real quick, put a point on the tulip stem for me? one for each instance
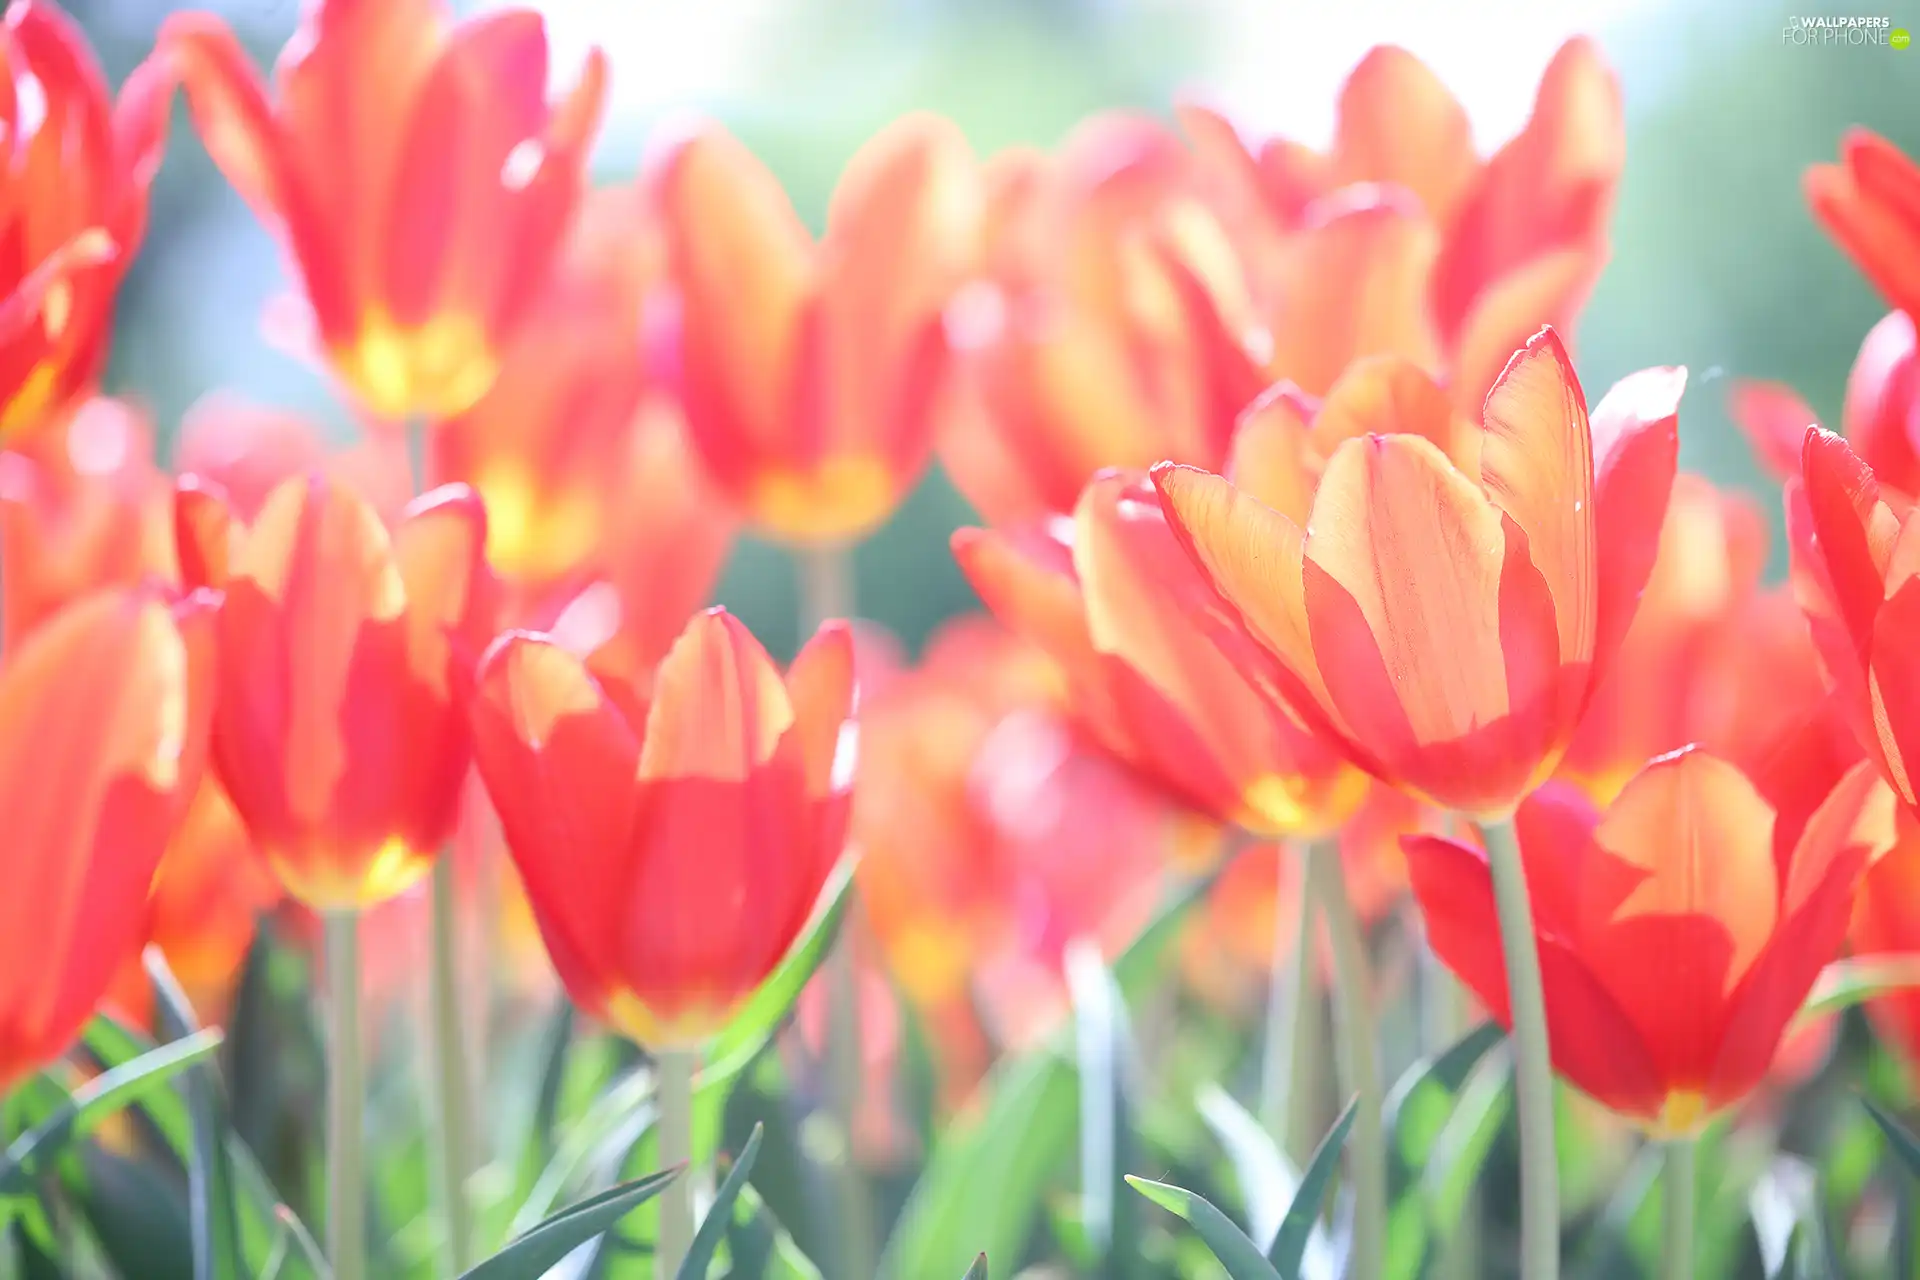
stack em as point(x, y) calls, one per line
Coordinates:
point(1289, 987)
point(674, 1068)
point(1681, 1181)
point(1354, 1020)
point(827, 592)
point(452, 1101)
point(346, 1190)
point(1533, 1065)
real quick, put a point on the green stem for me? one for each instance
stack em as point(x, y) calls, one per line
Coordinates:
point(675, 1076)
point(346, 1087)
point(1289, 987)
point(453, 1112)
point(1532, 1063)
point(1448, 1015)
point(1681, 1180)
point(827, 592)
point(1355, 1024)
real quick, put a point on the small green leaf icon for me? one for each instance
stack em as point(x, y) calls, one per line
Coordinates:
point(1899, 38)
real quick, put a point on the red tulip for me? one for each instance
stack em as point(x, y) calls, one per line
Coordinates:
point(810, 371)
point(1880, 416)
point(103, 731)
point(1886, 922)
point(674, 855)
point(1445, 630)
point(77, 169)
point(1677, 939)
point(416, 173)
point(346, 657)
point(1870, 204)
point(1857, 575)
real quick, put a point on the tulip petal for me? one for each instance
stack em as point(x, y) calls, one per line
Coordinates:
point(1271, 459)
point(1254, 557)
point(229, 105)
point(1546, 291)
point(821, 686)
point(1894, 682)
point(1028, 584)
point(1881, 412)
point(559, 763)
point(1673, 949)
point(1398, 123)
point(440, 547)
point(1636, 449)
point(1536, 462)
point(716, 663)
point(1870, 204)
point(203, 532)
point(1387, 395)
point(1355, 285)
point(1775, 420)
point(1854, 529)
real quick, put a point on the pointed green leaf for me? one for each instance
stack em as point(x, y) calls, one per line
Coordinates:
point(216, 1227)
point(1102, 1042)
point(1904, 1144)
point(720, 1215)
point(97, 1099)
point(531, 1255)
point(978, 1271)
point(1856, 980)
point(1290, 1244)
point(1461, 1150)
point(1228, 1243)
point(1267, 1179)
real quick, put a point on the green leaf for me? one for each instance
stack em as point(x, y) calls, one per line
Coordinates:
point(1290, 1244)
point(760, 1247)
point(978, 1271)
point(1102, 1042)
point(1229, 1244)
point(216, 1227)
point(1267, 1179)
point(984, 1182)
point(97, 1099)
point(1856, 980)
point(134, 1212)
point(532, 1255)
point(720, 1215)
point(750, 1029)
point(537, 1151)
point(111, 1043)
point(1461, 1150)
point(1422, 1099)
point(1904, 1144)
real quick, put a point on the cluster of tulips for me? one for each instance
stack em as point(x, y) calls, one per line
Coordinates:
point(1316, 580)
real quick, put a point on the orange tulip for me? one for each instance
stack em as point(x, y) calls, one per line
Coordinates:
point(414, 170)
point(1446, 630)
point(1886, 922)
point(672, 858)
point(810, 372)
point(1870, 204)
point(1677, 939)
point(103, 731)
point(1857, 575)
point(1403, 240)
point(77, 172)
point(1164, 677)
point(82, 506)
point(1110, 327)
point(548, 448)
point(346, 657)
point(1880, 416)
point(1705, 637)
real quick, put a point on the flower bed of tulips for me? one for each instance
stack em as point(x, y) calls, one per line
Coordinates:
point(1381, 825)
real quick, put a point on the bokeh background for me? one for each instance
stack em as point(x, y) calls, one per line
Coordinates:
point(1717, 264)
